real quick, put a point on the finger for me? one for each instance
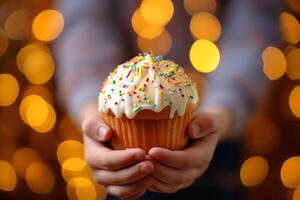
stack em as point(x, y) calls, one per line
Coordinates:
point(167, 175)
point(162, 187)
point(97, 129)
point(101, 157)
point(175, 159)
point(200, 126)
point(199, 153)
point(137, 195)
point(124, 176)
point(125, 191)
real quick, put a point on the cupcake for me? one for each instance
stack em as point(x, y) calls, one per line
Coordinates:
point(148, 102)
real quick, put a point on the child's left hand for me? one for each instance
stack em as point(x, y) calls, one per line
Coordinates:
point(175, 170)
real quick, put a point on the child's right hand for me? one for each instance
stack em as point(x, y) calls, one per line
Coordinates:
point(125, 173)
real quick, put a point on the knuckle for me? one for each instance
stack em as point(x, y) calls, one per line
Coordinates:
point(85, 125)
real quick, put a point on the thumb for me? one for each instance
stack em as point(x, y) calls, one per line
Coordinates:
point(97, 129)
point(200, 126)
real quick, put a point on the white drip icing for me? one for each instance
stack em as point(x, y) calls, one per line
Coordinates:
point(156, 91)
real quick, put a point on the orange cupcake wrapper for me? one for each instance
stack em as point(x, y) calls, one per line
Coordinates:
point(131, 133)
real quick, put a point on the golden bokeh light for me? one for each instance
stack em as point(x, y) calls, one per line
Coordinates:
point(23, 158)
point(142, 28)
point(82, 189)
point(69, 149)
point(9, 88)
point(25, 104)
point(39, 90)
point(40, 178)
point(48, 25)
point(157, 12)
point(294, 5)
point(289, 27)
point(204, 56)
point(160, 45)
point(195, 6)
point(294, 101)
point(27, 50)
point(3, 42)
point(254, 171)
point(8, 178)
point(274, 63)
point(38, 67)
point(49, 123)
point(290, 173)
point(37, 112)
point(17, 25)
point(204, 25)
point(68, 130)
point(75, 167)
point(293, 60)
point(296, 195)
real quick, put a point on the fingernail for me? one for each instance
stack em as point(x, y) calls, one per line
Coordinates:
point(146, 168)
point(101, 132)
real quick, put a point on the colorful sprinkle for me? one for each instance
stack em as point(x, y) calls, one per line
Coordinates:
point(137, 109)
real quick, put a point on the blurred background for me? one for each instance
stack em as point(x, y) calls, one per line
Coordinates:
point(41, 150)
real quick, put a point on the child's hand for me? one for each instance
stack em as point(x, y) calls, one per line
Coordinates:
point(175, 170)
point(125, 173)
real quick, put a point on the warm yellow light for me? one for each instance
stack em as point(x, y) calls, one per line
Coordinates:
point(40, 178)
point(23, 158)
point(17, 25)
point(27, 50)
point(68, 130)
point(293, 60)
point(81, 189)
point(157, 12)
point(48, 25)
point(295, 5)
point(195, 6)
point(290, 173)
point(274, 63)
point(49, 123)
point(69, 149)
point(204, 56)
point(205, 26)
point(253, 171)
point(289, 27)
point(3, 42)
point(9, 88)
point(294, 101)
point(160, 45)
point(296, 195)
point(37, 112)
point(38, 67)
point(24, 106)
point(8, 178)
point(75, 167)
point(39, 90)
point(142, 28)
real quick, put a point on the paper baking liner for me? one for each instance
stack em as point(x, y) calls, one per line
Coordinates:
point(166, 133)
